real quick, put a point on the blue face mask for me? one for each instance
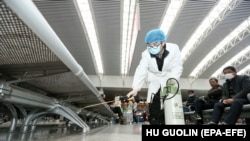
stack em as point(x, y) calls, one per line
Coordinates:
point(154, 50)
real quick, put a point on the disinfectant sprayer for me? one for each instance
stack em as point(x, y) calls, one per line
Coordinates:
point(172, 103)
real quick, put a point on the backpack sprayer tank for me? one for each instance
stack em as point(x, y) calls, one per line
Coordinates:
point(172, 102)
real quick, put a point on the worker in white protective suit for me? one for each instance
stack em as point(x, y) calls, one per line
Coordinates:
point(159, 62)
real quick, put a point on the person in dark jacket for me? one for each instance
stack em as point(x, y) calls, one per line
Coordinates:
point(207, 102)
point(235, 91)
point(189, 103)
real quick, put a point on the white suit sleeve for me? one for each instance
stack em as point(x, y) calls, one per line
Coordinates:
point(177, 65)
point(140, 74)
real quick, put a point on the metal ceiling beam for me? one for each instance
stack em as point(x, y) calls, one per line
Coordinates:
point(228, 46)
point(212, 26)
point(237, 63)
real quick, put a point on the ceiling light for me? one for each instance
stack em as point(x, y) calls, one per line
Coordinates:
point(89, 27)
point(171, 12)
point(130, 27)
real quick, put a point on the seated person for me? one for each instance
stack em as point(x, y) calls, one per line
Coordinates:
point(207, 102)
point(235, 91)
point(189, 104)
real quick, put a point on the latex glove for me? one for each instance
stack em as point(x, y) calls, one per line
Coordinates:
point(132, 93)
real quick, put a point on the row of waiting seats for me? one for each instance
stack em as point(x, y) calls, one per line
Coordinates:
point(207, 113)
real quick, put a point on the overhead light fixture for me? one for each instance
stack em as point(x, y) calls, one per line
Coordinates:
point(238, 34)
point(171, 12)
point(88, 23)
point(210, 21)
point(130, 27)
point(238, 59)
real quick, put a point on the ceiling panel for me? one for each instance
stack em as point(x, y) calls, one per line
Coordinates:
point(63, 18)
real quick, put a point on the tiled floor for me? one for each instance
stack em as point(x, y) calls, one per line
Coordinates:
point(112, 132)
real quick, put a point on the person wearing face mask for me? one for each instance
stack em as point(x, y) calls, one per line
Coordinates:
point(234, 95)
point(159, 62)
point(188, 105)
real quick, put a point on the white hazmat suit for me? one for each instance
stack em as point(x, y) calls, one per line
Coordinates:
point(147, 70)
